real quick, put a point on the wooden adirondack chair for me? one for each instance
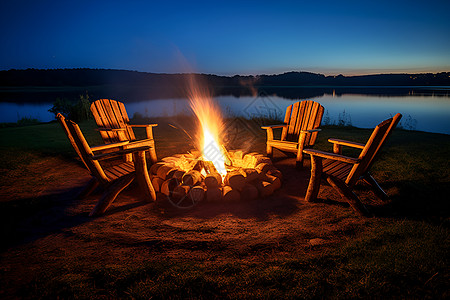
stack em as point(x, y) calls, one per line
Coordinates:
point(114, 178)
point(343, 172)
point(114, 125)
point(302, 121)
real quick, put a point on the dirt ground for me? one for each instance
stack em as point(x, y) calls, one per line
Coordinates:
point(133, 231)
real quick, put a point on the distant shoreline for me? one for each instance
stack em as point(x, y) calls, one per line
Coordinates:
point(34, 85)
point(135, 93)
point(94, 77)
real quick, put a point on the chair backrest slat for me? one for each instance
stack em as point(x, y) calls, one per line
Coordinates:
point(62, 121)
point(112, 114)
point(372, 147)
point(292, 121)
point(126, 121)
point(287, 118)
point(102, 120)
point(303, 115)
point(82, 148)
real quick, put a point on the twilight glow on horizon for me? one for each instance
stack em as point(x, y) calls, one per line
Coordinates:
point(228, 37)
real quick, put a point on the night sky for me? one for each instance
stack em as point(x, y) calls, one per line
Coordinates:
point(228, 37)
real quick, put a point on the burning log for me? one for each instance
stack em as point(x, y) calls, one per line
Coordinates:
point(209, 167)
point(249, 161)
point(165, 172)
point(199, 165)
point(180, 192)
point(168, 186)
point(225, 152)
point(214, 194)
point(197, 194)
point(188, 179)
point(275, 181)
point(235, 179)
point(213, 180)
point(262, 159)
point(154, 168)
point(251, 174)
point(263, 167)
point(179, 175)
point(170, 159)
point(157, 183)
point(191, 177)
point(238, 155)
point(230, 194)
point(276, 173)
point(264, 188)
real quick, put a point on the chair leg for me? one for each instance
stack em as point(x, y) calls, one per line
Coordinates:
point(153, 157)
point(299, 159)
point(375, 187)
point(301, 143)
point(110, 194)
point(348, 195)
point(142, 176)
point(89, 188)
point(269, 150)
point(314, 181)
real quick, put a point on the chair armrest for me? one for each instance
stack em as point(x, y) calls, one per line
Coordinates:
point(148, 129)
point(110, 129)
point(118, 153)
point(310, 130)
point(274, 126)
point(136, 143)
point(144, 125)
point(347, 143)
point(109, 146)
point(333, 156)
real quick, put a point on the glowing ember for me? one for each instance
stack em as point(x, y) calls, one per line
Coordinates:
point(210, 117)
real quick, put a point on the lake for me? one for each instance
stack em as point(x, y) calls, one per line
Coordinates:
point(425, 112)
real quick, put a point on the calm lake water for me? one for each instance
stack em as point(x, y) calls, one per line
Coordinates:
point(425, 113)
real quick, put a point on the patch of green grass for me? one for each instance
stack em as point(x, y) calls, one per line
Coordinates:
point(46, 139)
point(395, 259)
point(400, 259)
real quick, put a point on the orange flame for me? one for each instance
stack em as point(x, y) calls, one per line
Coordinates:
point(210, 118)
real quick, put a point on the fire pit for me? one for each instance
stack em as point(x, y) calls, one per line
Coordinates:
point(187, 179)
point(213, 173)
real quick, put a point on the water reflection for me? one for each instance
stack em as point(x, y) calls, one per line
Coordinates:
point(431, 113)
point(11, 112)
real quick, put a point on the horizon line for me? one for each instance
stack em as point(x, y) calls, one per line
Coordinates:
point(347, 73)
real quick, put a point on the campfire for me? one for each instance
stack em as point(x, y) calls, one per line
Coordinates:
point(213, 173)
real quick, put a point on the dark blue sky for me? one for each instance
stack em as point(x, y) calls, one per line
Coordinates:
point(228, 37)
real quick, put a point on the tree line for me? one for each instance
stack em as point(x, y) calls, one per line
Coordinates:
point(98, 77)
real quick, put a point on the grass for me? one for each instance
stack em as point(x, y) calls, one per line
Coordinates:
point(399, 260)
point(403, 253)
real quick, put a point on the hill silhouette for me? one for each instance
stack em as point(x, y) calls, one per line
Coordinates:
point(92, 77)
point(134, 85)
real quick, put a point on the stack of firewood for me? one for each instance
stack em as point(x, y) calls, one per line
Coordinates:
point(187, 179)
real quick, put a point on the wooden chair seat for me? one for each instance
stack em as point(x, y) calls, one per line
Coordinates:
point(299, 131)
point(114, 178)
point(337, 168)
point(123, 169)
point(114, 126)
point(343, 172)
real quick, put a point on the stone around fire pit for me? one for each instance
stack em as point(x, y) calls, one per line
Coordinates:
point(186, 180)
